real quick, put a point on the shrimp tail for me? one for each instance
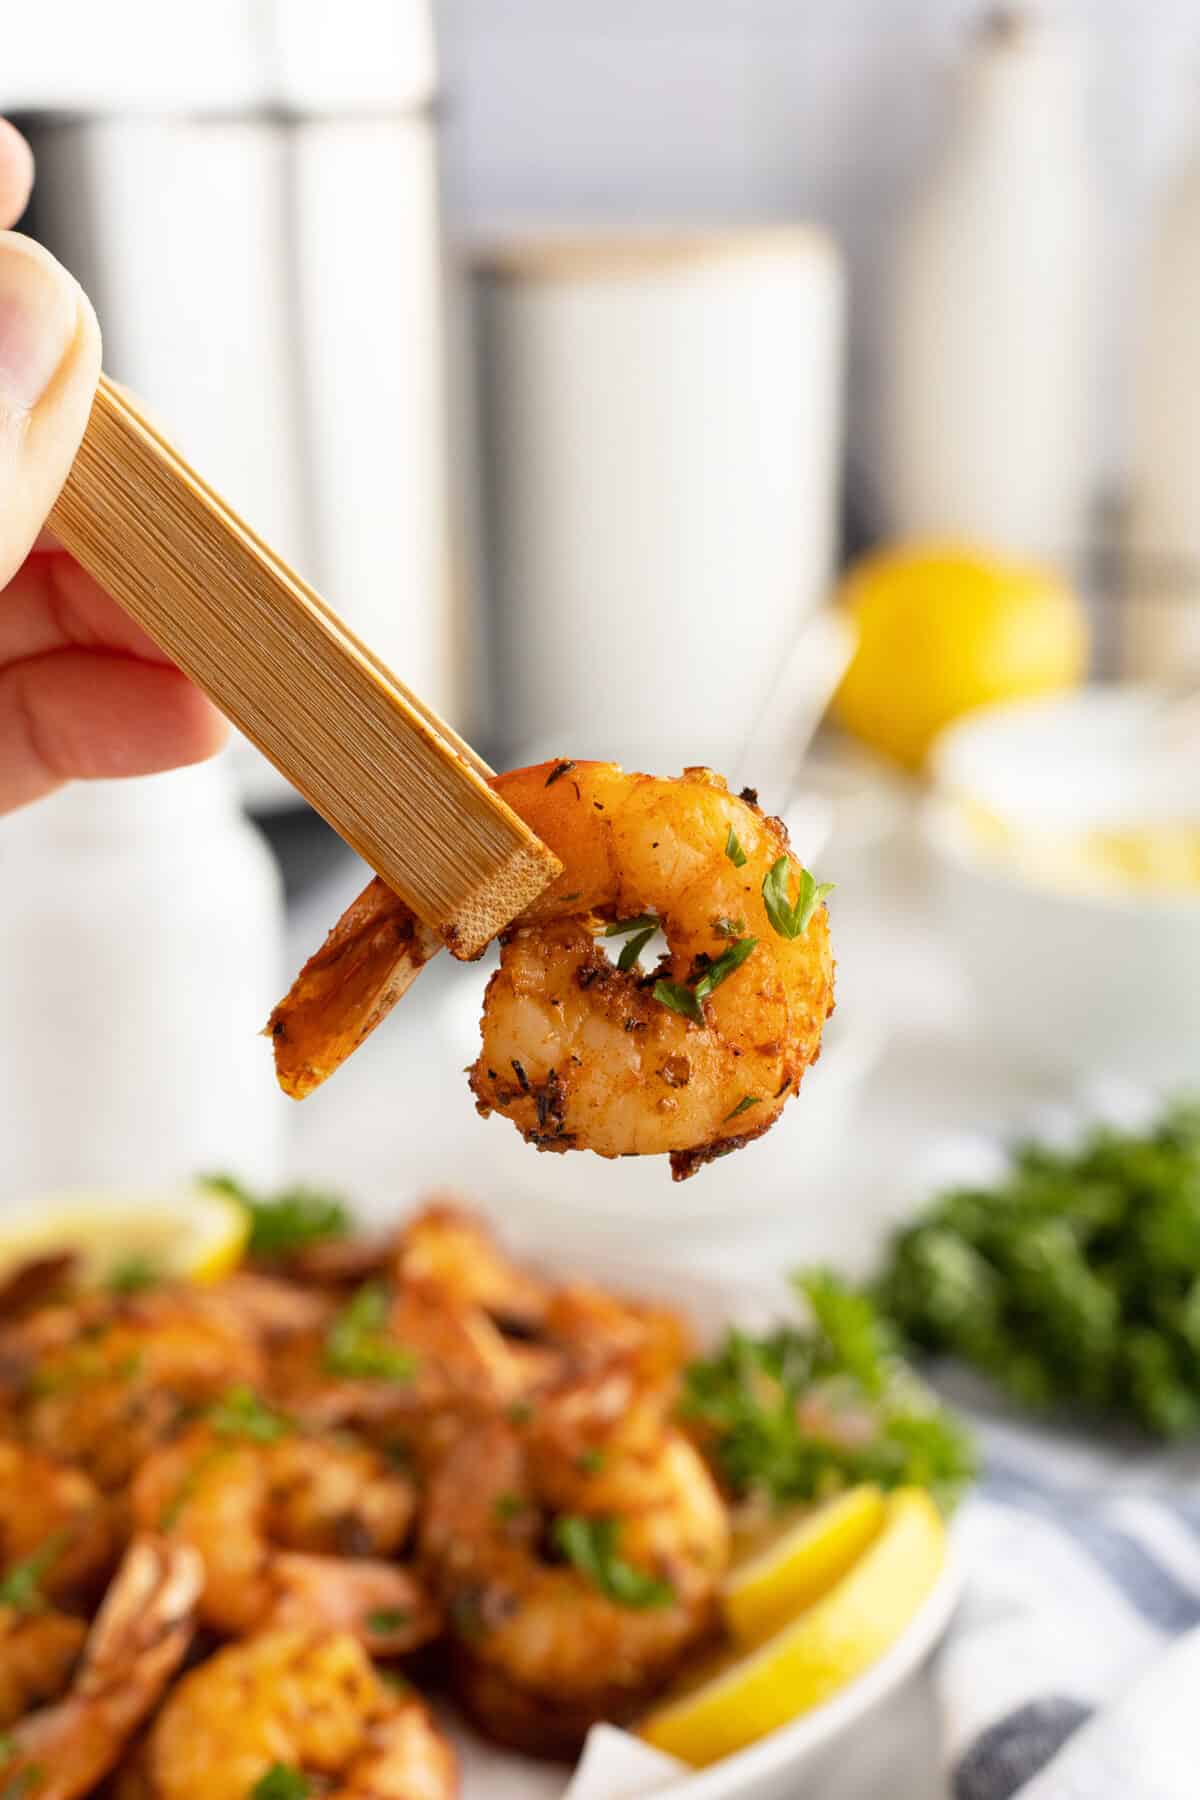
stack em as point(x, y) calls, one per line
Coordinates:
point(369, 960)
point(140, 1637)
point(143, 1629)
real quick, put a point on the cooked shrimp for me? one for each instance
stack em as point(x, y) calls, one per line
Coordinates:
point(594, 1325)
point(54, 1517)
point(448, 1248)
point(38, 1654)
point(104, 1394)
point(58, 1543)
point(371, 957)
point(693, 1059)
point(137, 1642)
point(290, 1528)
point(307, 1702)
point(577, 1557)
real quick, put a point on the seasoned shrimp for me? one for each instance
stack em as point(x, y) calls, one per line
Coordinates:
point(446, 1247)
point(104, 1394)
point(58, 1543)
point(137, 1642)
point(290, 1528)
point(53, 1518)
point(306, 1702)
point(578, 1557)
point(692, 1059)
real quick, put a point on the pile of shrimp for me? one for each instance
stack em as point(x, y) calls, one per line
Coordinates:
point(692, 1058)
point(239, 1521)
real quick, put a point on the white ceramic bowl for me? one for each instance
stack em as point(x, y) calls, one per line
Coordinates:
point(771, 1769)
point(1066, 980)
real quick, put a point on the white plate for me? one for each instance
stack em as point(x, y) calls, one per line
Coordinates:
point(770, 1769)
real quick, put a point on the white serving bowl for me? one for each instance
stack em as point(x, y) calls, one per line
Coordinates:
point(1069, 980)
point(775, 1767)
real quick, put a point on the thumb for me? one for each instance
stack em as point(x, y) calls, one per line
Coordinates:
point(49, 365)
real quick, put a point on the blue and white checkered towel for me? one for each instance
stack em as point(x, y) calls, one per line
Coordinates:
point(1072, 1668)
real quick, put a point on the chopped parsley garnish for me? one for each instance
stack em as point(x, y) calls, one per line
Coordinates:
point(734, 851)
point(686, 1000)
point(25, 1782)
point(357, 1345)
point(743, 1105)
point(729, 928)
point(591, 1546)
point(724, 966)
point(622, 927)
point(680, 998)
point(133, 1275)
point(190, 1486)
point(805, 1411)
point(241, 1414)
point(788, 920)
point(21, 1586)
point(291, 1220)
point(631, 951)
point(387, 1620)
point(508, 1506)
point(281, 1783)
point(591, 1461)
point(520, 1412)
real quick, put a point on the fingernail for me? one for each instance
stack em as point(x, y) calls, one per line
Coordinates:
point(39, 312)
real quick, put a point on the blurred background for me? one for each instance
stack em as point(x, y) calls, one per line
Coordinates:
point(814, 391)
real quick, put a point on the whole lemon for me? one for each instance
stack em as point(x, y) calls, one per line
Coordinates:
point(944, 628)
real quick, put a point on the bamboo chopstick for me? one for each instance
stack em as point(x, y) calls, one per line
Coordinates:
point(398, 784)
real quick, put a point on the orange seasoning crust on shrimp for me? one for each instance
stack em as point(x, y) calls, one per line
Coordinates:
point(692, 1058)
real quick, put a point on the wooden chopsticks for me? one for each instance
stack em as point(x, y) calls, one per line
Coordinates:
point(398, 784)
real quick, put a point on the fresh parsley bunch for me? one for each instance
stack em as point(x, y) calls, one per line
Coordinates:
point(1076, 1281)
point(805, 1411)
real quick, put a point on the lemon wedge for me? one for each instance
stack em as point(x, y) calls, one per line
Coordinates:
point(744, 1694)
point(129, 1238)
point(798, 1562)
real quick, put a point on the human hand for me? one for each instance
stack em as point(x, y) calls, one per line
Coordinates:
point(83, 692)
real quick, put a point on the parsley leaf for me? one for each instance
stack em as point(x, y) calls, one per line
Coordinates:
point(21, 1587)
point(807, 1410)
point(591, 1546)
point(241, 1414)
point(357, 1345)
point(686, 1000)
point(743, 1105)
point(723, 967)
point(622, 927)
point(729, 928)
point(281, 1783)
point(734, 851)
point(133, 1275)
point(631, 951)
point(788, 920)
point(680, 998)
point(290, 1220)
point(26, 1781)
point(387, 1620)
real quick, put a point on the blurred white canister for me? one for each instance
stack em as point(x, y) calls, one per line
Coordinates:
point(141, 929)
point(662, 428)
point(1161, 639)
point(987, 431)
